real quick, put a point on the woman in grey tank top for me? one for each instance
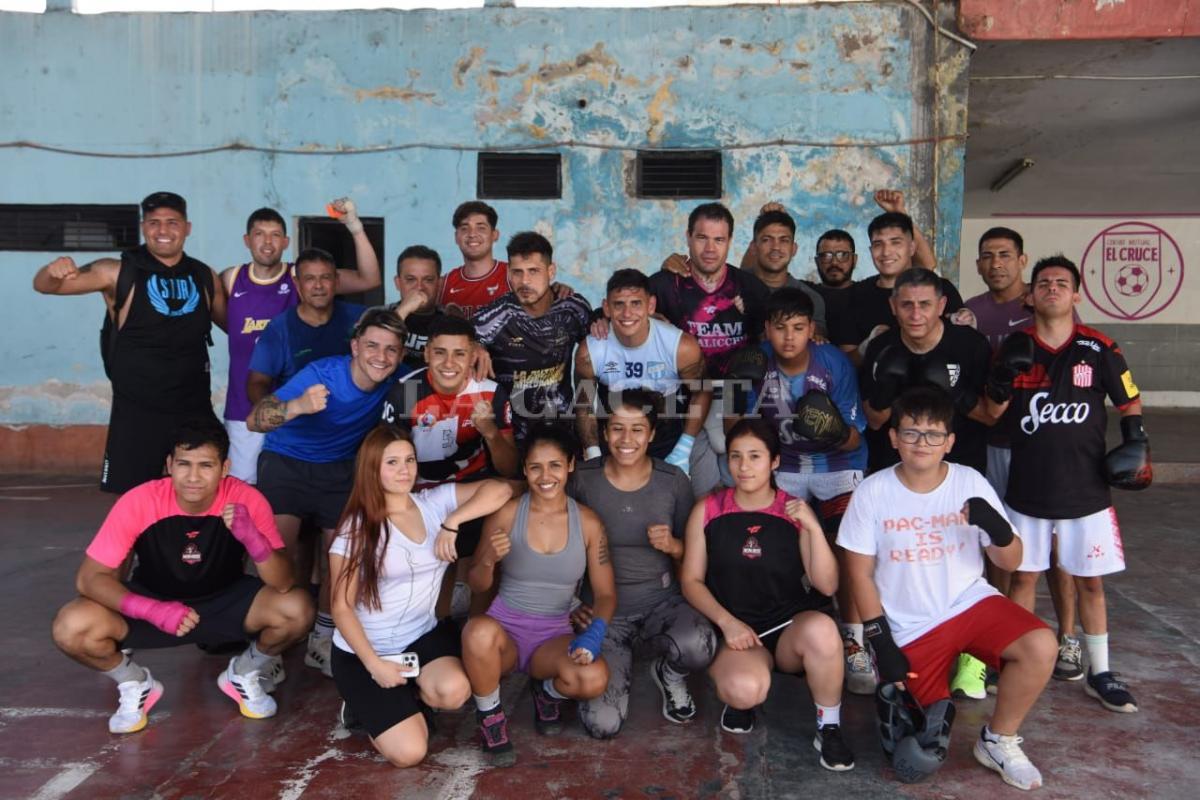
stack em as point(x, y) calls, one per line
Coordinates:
point(546, 541)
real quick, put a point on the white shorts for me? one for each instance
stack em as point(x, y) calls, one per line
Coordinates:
point(819, 485)
point(244, 447)
point(998, 459)
point(1087, 546)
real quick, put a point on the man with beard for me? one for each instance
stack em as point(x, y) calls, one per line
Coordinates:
point(531, 336)
point(261, 290)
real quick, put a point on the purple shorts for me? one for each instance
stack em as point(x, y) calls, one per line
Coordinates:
point(528, 631)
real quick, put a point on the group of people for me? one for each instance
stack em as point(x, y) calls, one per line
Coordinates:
point(678, 471)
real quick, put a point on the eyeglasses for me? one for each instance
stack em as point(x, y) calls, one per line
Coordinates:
point(836, 255)
point(932, 438)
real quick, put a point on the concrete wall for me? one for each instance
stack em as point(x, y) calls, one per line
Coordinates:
point(390, 107)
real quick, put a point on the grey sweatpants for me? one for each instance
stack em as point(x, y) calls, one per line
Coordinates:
point(672, 629)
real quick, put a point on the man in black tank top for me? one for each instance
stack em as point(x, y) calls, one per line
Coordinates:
point(158, 359)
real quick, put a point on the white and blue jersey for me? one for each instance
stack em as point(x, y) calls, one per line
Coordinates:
point(651, 365)
point(829, 371)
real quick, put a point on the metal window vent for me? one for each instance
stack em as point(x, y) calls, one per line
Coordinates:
point(519, 176)
point(101, 228)
point(677, 174)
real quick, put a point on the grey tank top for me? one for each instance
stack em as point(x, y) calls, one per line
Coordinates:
point(543, 583)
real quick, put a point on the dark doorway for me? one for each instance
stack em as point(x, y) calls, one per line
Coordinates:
point(331, 235)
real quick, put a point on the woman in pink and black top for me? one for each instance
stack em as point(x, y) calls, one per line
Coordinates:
point(747, 554)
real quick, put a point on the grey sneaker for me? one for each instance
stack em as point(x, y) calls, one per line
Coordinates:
point(1069, 666)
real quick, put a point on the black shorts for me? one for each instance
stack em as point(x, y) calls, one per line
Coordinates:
point(222, 618)
point(379, 709)
point(305, 488)
point(139, 441)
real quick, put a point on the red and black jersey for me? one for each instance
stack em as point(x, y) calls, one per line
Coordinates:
point(180, 556)
point(449, 446)
point(465, 296)
point(1057, 422)
point(754, 565)
point(713, 317)
point(532, 356)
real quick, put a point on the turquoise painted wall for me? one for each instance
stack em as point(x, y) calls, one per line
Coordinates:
point(409, 97)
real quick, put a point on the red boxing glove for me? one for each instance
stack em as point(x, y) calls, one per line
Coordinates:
point(244, 530)
point(166, 615)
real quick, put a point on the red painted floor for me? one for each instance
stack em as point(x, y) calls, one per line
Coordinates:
point(54, 741)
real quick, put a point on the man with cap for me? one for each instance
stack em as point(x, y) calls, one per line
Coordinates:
point(161, 304)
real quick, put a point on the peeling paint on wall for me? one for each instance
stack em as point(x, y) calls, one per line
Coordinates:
point(435, 85)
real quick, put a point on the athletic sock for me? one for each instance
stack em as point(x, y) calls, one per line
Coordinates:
point(1097, 651)
point(126, 671)
point(829, 715)
point(852, 630)
point(488, 702)
point(251, 659)
point(324, 625)
point(548, 688)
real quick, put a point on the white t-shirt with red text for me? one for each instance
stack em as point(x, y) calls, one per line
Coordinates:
point(928, 560)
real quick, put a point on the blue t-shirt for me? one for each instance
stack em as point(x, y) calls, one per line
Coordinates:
point(828, 371)
point(288, 343)
point(335, 433)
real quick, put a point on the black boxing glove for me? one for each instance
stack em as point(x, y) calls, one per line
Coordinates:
point(889, 658)
point(1015, 357)
point(890, 376)
point(934, 371)
point(981, 514)
point(1127, 466)
point(745, 371)
point(818, 420)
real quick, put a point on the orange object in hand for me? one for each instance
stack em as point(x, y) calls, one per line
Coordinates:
point(333, 212)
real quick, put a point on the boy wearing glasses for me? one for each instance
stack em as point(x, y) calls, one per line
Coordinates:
point(915, 537)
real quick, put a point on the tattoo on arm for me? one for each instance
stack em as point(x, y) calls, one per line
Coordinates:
point(602, 549)
point(88, 266)
point(269, 414)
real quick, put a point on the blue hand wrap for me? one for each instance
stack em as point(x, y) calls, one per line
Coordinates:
point(591, 638)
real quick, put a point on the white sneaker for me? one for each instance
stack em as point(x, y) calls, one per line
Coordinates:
point(1004, 755)
point(137, 698)
point(246, 690)
point(272, 675)
point(320, 653)
point(860, 675)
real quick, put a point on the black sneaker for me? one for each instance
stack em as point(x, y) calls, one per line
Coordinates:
point(1112, 693)
point(546, 713)
point(735, 720)
point(348, 720)
point(677, 704)
point(992, 682)
point(835, 754)
point(493, 737)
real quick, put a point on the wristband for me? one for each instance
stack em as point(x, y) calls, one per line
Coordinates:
point(981, 514)
point(446, 527)
point(591, 452)
point(889, 658)
point(681, 454)
point(591, 639)
point(166, 615)
point(245, 531)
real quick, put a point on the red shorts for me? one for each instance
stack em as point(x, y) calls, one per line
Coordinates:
point(984, 630)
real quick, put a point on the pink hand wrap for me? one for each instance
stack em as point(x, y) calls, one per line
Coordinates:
point(162, 614)
point(244, 530)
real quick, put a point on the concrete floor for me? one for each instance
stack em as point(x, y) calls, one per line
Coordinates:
point(54, 742)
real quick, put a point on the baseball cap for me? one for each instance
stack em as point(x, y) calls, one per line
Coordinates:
point(164, 200)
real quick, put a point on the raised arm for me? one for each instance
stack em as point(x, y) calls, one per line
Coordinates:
point(63, 277)
point(494, 544)
point(271, 412)
point(367, 275)
point(819, 562)
point(690, 362)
